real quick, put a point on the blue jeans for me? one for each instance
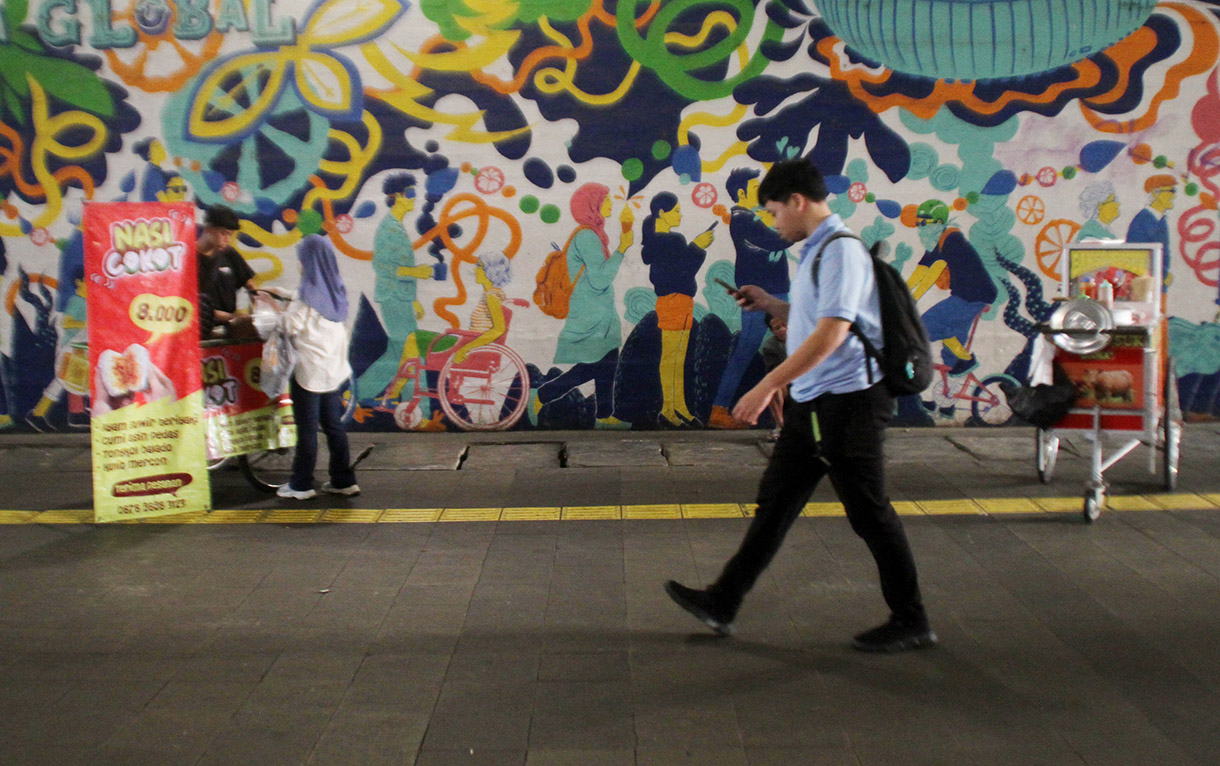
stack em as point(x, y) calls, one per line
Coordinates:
point(310, 410)
point(753, 330)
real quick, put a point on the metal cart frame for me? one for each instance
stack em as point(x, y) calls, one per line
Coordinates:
point(1157, 422)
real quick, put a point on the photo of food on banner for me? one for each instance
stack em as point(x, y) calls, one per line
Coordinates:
point(128, 377)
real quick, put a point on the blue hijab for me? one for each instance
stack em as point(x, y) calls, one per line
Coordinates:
point(322, 288)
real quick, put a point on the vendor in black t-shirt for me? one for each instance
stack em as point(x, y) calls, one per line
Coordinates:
point(222, 272)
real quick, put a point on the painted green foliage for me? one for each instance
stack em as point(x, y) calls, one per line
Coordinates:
point(448, 15)
point(24, 58)
point(675, 67)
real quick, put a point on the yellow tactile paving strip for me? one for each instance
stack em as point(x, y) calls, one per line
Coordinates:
point(995, 506)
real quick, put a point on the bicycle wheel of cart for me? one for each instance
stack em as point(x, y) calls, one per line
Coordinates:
point(990, 405)
point(487, 391)
point(1171, 427)
point(269, 469)
point(1048, 452)
point(349, 396)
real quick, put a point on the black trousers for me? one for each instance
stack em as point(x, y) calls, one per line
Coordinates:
point(852, 430)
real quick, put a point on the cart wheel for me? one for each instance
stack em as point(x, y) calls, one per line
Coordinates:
point(1048, 452)
point(1092, 505)
point(1171, 427)
point(1173, 438)
point(269, 469)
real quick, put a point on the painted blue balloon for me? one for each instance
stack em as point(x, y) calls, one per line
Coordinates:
point(566, 173)
point(214, 180)
point(686, 161)
point(1096, 155)
point(538, 173)
point(365, 209)
point(441, 181)
point(1001, 184)
point(267, 206)
point(980, 39)
point(128, 183)
point(837, 184)
point(26, 226)
point(889, 208)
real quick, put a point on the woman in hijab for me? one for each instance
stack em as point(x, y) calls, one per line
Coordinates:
point(591, 334)
point(315, 324)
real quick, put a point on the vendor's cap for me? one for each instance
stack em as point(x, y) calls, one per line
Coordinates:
point(932, 211)
point(221, 217)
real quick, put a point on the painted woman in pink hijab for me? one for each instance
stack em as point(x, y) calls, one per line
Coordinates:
point(592, 334)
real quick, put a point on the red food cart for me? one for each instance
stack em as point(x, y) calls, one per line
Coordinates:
point(1111, 340)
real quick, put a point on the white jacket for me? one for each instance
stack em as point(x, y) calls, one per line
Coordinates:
point(321, 347)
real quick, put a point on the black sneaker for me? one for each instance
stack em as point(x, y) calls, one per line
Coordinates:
point(701, 604)
point(895, 637)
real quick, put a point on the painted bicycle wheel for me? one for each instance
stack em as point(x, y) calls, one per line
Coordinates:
point(990, 406)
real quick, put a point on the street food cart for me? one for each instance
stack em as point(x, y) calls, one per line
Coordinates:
point(1110, 339)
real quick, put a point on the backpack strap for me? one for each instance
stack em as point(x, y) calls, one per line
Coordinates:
point(870, 350)
point(568, 244)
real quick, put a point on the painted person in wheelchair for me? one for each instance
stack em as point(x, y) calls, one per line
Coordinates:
point(492, 272)
point(951, 263)
point(315, 324)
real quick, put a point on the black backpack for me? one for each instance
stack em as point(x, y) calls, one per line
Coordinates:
point(906, 364)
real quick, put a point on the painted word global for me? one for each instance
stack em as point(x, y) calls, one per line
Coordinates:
point(59, 22)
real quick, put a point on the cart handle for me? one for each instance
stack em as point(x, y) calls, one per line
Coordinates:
point(1046, 329)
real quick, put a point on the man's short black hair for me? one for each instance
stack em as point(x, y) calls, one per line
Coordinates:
point(221, 217)
point(739, 179)
point(789, 177)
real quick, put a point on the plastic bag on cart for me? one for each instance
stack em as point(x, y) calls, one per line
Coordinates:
point(1041, 361)
point(1045, 404)
point(279, 358)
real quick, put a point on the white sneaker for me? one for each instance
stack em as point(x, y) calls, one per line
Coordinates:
point(349, 491)
point(295, 494)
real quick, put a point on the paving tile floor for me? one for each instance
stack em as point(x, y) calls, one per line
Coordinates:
point(549, 643)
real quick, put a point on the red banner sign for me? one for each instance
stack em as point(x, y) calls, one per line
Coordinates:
point(144, 369)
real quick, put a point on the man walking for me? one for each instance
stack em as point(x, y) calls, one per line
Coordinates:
point(836, 424)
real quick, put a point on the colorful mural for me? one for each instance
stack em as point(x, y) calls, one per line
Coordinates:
point(455, 147)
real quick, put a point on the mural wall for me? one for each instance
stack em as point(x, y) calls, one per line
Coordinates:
point(468, 158)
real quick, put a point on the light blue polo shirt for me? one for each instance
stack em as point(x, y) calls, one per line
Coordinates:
point(847, 289)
